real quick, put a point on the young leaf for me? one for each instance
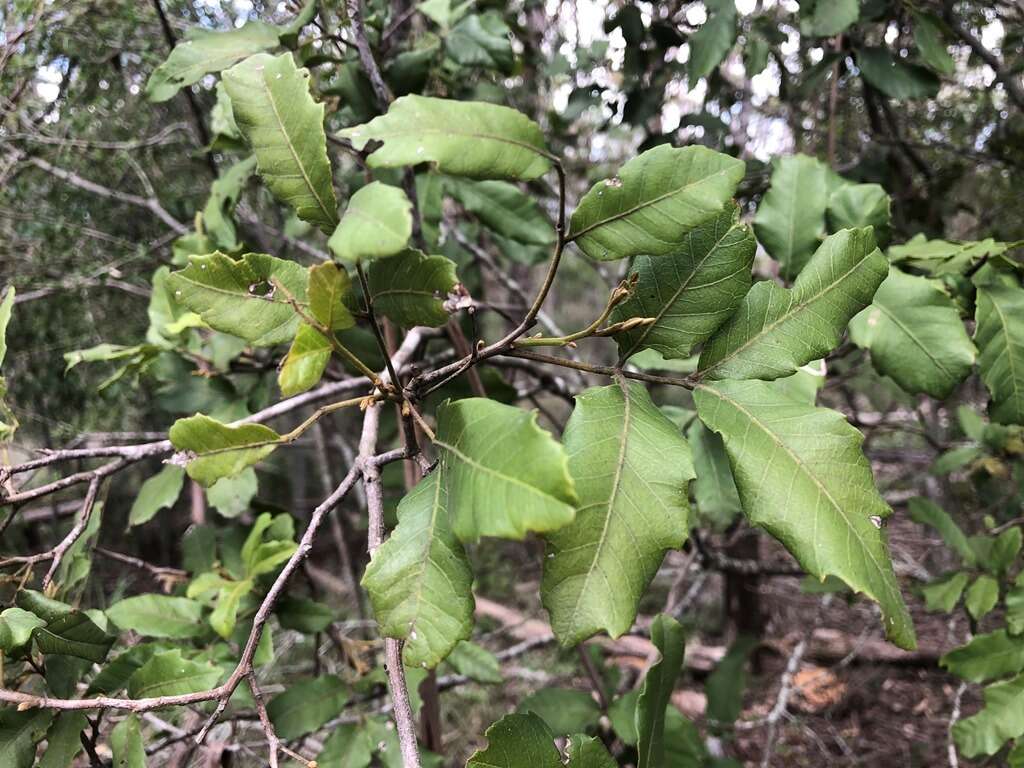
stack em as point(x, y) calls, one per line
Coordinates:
point(73, 634)
point(249, 298)
point(377, 222)
point(518, 741)
point(656, 199)
point(305, 706)
point(475, 662)
point(790, 220)
point(802, 476)
point(155, 615)
point(656, 693)
point(224, 194)
point(1000, 337)
point(126, 743)
point(987, 657)
point(231, 496)
point(503, 475)
point(927, 512)
point(981, 596)
point(305, 362)
point(631, 469)
point(158, 492)
point(170, 674)
point(204, 51)
point(1000, 720)
point(327, 287)
point(775, 331)
point(895, 77)
point(214, 450)
point(944, 593)
point(915, 335)
point(463, 138)
point(419, 580)
point(714, 489)
point(503, 208)
point(411, 288)
point(710, 44)
point(275, 112)
point(691, 291)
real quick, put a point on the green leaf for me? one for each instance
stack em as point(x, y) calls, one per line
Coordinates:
point(73, 634)
point(826, 18)
point(860, 205)
point(412, 288)
point(225, 611)
point(327, 287)
point(305, 706)
point(305, 362)
point(726, 683)
point(655, 201)
point(63, 742)
point(170, 674)
point(982, 596)
point(126, 744)
point(656, 693)
point(943, 594)
point(718, 501)
point(503, 208)
point(231, 496)
point(42, 606)
point(275, 112)
point(302, 615)
point(20, 731)
point(155, 615)
point(1000, 338)
point(518, 741)
point(563, 710)
point(269, 543)
point(224, 194)
point(927, 512)
point(475, 662)
point(463, 138)
point(205, 51)
point(115, 674)
point(802, 476)
point(996, 555)
point(631, 468)
point(986, 657)
point(16, 625)
point(587, 752)
point(1015, 606)
point(503, 475)
point(790, 221)
point(776, 331)
point(710, 44)
point(691, 291)
point(481, 40)
point(214, 450)
point(622, 715)
point(289, 33)
point(419, 580)
point(248, 298)
point(895, 77)
point(915, 335)
point(377, 222)
point(158, 492)
point(350, 745)
point(1001, 719)
point(928, 36)
point(6, 308)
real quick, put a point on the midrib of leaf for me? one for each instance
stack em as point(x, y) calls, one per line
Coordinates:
point(616, 483)
point(804, 470)
point(789, 313)
point(646, 330)
point(488, 470)
point(1009, 355)
point(421, 576)
point(331, 215)
point(899, 324)
point(469, 134)
point(236, 294)
point(645, 204)
point(404, 292)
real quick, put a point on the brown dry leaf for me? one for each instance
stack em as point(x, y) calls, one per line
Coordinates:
point(817, 689)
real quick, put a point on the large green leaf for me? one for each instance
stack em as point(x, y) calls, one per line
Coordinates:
point(377, 222)
point(518, 741)
point(710, 44)
point(248, 298)
point(20, 731)
point(412, 288)
point(775, 331)
point(987, 657)
point(1000, 338)
point(126, 744)
point(214, 450)
point(307, 705)
point(204, 51)
point(505, 209)
point(915, 335)
point(718, 501)
point(305, 362)
point(63, 740)
point(224, 194)
point(158, 492)
point(73, 634)
point(895, 77)
point(327, 288)
point(691, 291)
point(16, 625)
point(631, 468)
point(656, 199)
point(790, 220)
point(275, 112)
point(170, 674)
point(419, 580)
point(802, 476)
point(725, 685)
point(1001, 719)
point(656, 693)
point(463, 138)
point(155, 615)
point(860, 205)
point(503, 474)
